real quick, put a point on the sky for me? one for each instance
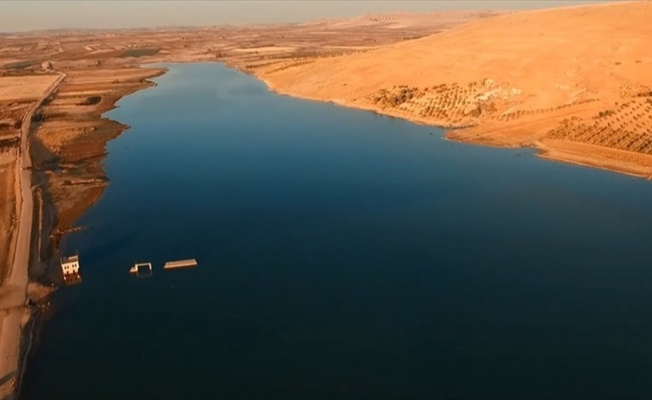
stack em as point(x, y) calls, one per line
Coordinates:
point(25, 15)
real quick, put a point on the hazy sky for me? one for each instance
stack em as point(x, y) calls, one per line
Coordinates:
point(25, 15)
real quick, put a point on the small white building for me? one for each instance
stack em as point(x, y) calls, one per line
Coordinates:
point(70, 266)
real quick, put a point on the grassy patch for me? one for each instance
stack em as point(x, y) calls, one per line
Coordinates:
point(10, 142)
point(139, 52)
point(89, 101)
point(604, 114)
point(20, 64)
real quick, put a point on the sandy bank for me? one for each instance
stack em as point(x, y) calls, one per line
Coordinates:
point(547, 79)
point(14, 286)
point(70, 137)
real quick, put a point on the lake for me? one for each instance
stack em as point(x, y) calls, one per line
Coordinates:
point(344, 254)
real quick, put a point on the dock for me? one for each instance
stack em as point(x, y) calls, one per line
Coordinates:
point(142, 269)
point(180, 264)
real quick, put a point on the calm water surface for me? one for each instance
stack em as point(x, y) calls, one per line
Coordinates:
point(344, 255)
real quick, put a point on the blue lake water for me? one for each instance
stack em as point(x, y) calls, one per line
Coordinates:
point(344, 254)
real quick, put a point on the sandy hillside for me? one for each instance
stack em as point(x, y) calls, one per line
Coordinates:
point(401, 20)
point(543, 78)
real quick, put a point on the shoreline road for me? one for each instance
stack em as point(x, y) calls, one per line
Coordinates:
point(13, 292)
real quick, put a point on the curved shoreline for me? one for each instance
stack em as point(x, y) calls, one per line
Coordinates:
point(34, 247)
point(13, 322)
point(604, 158)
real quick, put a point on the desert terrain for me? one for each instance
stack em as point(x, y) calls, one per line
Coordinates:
point(17, 95)
point(17, 203)
point(574, 82)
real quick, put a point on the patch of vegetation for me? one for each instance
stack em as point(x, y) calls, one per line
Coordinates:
point(295, 64)
point(89, 101)
point(11, 123)
point(20, 64)
point(615, 131)
point(607, 113)
point(139, 52)
point(11, 142)
point(267, 64)
point(396, 97)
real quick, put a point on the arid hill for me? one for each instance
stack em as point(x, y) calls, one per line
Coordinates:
point(576, 82)
point(404, 20)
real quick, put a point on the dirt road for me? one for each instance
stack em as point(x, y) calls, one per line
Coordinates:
point(13, 292)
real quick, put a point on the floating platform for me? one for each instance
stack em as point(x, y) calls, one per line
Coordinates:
point(142, 270)
point(180, 264)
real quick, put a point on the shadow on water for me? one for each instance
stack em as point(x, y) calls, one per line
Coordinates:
point(99, 250)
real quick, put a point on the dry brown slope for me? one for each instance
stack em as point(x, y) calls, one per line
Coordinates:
point(520, 74)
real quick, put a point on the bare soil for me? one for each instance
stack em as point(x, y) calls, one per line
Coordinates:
point(577, 74)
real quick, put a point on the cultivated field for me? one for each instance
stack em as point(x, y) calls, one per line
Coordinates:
point(7, 208)
point(18, 88)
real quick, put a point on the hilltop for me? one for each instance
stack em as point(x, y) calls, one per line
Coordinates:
point(575, 82)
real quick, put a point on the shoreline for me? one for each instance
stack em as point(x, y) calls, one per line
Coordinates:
point(16, 282)
point(43, 243)
point(547, 151)
point(558, 154)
